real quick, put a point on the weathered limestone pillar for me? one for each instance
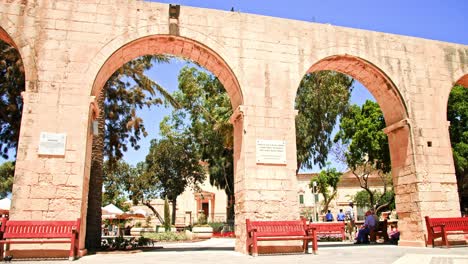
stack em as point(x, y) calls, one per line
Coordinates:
point(424, 182)
point(263, 191)
point(52, 187)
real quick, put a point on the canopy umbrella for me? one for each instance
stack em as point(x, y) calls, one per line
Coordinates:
point(5, 204)
point(140, 213)
point(111, 211)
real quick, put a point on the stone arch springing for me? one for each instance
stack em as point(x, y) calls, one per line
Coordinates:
point(463, 81)
point(177, 46)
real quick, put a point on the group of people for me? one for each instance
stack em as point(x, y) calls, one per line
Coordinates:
point(341, 216)
point(370, 224)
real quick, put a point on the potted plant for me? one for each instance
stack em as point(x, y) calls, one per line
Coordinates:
point(139, 229)
point(201, 229)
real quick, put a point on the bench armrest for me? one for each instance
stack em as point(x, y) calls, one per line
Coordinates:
point(441, 226)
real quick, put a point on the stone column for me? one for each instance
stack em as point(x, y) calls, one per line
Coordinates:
point(263, 191)
point(52, 187)
point(423, 179)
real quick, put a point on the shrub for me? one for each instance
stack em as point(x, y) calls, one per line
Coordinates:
point(217, 226)
point(166, 236)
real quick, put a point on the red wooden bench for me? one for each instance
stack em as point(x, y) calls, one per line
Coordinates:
point(40, 232)
point(277, 231)
point(328, 228)
point(442, 227)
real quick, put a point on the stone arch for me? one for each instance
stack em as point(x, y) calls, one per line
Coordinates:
point(4, 36)
point(389, 99)
point(463, 81)
point(398, 130)
point(378, 83)
point(173, 45)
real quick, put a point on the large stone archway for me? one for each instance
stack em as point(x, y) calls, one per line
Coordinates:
point(65, 45)
point(165, 45)
point(395, 113)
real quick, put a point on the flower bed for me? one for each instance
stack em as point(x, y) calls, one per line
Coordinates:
point(331, 237)
point(224, 234)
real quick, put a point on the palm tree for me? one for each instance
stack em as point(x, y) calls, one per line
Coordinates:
point(126, 90)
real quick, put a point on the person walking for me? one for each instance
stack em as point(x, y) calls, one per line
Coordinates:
point(350, 221)
point(329, 216)
point(340, 216)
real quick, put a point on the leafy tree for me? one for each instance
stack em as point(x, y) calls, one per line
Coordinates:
point(12, 83)
point(204, 114)
point(321, 98)
point(361, 130)
point(457, 114)
point(175, 163)
point(362, 199)
point(7, 171)
point(142, 187)
point(114, 182)
point(326, 179)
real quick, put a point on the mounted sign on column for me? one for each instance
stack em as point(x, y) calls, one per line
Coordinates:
point(52, 144)
point(271, 152)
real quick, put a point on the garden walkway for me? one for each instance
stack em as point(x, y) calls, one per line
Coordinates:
point(221, 251)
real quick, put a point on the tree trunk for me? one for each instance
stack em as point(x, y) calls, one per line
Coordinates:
point(148, 204)
point(93, 218)
point(174, 209)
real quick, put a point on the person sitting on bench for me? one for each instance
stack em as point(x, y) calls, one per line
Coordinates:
point(369, 224)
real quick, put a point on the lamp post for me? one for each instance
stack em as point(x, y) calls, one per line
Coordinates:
point(315, 193)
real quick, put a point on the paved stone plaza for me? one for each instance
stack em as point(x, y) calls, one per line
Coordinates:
point(221, 250)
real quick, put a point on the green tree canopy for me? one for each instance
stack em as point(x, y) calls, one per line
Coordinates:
point(361, 130)
point(7, 171)
point(12, 83)
point(175, 162)
point(327, 179)
point(457, 114)
point(321, 98)
point(204, 115)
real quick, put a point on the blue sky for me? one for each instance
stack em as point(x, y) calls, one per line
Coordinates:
point(444, 20)
point(438, 20)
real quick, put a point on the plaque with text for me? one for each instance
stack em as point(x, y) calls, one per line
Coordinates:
point(52, 144)
point(271, 151)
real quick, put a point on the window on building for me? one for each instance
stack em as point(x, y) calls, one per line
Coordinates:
point(301, 199)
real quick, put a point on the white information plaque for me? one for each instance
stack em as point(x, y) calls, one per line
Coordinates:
point(271, 151)
point(52, 144)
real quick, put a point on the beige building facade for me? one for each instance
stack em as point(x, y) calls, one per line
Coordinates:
point(70, 48)
point(207, 199)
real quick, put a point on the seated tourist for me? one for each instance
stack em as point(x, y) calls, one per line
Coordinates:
point(363, 234)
